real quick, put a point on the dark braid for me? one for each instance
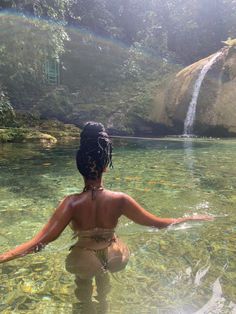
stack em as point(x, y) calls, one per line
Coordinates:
point(95, 151)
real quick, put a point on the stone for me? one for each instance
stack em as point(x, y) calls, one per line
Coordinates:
point(215, 112)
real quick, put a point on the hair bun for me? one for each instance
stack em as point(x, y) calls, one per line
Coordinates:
point(93, 129)
point(95, 151)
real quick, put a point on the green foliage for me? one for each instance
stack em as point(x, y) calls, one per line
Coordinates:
point(46, 131)
point(12, 135)
point(189, 30)
point(7, 113)
point(102, 78)
point(55, 104)
point(132, 65)
point(50, 9)
point(25, 45)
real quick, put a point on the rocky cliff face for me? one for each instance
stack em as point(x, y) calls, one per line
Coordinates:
point(216, 104)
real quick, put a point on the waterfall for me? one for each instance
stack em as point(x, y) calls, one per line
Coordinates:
point(190, 117)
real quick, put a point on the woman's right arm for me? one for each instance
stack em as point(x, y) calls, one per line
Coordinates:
point(50, 232)
point(132, 210)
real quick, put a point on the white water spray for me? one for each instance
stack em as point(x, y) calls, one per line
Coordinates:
point(190, 117)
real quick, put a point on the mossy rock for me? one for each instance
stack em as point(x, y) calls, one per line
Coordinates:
point(61, 131)
point(40, 137)
point(23, 135)
point(29, 127)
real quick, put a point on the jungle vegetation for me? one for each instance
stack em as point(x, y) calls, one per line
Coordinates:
point(106, 55)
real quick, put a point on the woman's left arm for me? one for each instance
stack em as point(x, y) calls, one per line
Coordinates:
point(50, 232)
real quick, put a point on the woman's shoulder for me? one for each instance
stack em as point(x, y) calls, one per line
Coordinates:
point(116, 194)
point(72, 198)
point(120, 197)
point(76, 199)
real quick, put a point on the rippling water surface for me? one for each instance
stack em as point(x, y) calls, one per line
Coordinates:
point(189, 268)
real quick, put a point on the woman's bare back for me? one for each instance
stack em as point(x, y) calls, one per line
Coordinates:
point(101, 212)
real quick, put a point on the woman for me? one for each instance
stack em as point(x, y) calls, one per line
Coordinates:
point(93, 214)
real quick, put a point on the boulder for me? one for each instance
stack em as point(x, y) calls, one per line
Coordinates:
point(215, 111)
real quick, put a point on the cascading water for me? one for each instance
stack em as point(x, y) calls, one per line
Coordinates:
point(190, 117)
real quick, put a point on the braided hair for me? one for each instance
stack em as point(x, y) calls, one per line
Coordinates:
point(95, 151)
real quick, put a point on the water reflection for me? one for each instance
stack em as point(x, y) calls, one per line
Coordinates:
point(189, 156)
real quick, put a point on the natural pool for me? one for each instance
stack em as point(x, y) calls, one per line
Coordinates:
point(189, 268)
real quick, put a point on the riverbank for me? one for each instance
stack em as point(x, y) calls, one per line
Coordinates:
point(44, 131)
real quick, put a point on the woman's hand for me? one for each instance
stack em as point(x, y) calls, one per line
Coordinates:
point(191, 218)
point(194, 217)
point(202, 217)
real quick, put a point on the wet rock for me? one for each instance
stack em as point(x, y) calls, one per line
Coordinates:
point(215, 112)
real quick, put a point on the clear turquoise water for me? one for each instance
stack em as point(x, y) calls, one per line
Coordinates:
point(189, 268)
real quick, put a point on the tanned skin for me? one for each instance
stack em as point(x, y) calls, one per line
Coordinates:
point(84, 213)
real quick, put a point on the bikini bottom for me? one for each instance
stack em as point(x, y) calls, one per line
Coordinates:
point(87, 262)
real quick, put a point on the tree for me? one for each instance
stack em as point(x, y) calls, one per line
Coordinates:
point(196, 28)
point(47, 9)
point(25, 45)
point(27, 40)
point(7, 113)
